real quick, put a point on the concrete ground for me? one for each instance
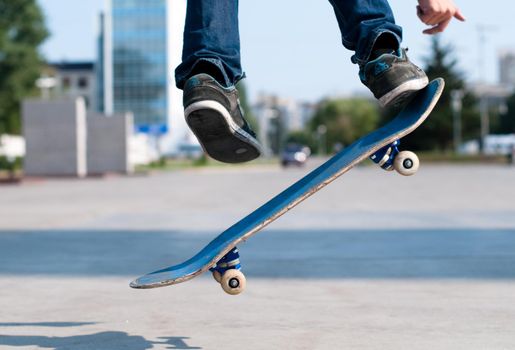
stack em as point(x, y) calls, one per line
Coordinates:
point(373, 261)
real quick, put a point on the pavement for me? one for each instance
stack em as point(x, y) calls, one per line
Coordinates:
point(373, 261)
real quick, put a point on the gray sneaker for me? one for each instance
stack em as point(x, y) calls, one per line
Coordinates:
point(392, 78)
point(214, 114)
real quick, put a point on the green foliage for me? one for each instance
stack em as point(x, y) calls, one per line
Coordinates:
point(249, 116)
point(277, 132)
point(10, 164)
point(22, 30)
point(437, 131)
point(201, 161)
point(302, 137)
point(345, 119)
point(507, 120)
point(442, 63)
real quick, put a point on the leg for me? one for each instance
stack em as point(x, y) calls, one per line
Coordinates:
point(208, 73)
point(362, 23)
point(368, 28)
point(211, 42)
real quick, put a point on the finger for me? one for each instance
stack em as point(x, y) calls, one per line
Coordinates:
point(428, 17)
point(430, 31)
point(459, 16)
point(444, 24)
point(440, 27)
point(435, 19)
point(420, 11)
point(424, 14)
point(442, 17)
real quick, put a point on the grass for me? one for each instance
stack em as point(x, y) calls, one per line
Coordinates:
point(202, 162)
point(439, 157)
point(426, 157)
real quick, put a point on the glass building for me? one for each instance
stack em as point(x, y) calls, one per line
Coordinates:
point(139, 62)
point(507, 67)
point(140, 45)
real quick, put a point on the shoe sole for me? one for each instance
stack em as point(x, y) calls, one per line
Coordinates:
point(220, 137)
point(403, 93)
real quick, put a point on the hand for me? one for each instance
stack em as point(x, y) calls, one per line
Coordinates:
point(437, 14)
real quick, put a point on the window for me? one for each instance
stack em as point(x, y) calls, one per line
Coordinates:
point(83, 82)
point(65, 82)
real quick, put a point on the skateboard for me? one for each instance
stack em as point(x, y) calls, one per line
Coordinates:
point(221, 255)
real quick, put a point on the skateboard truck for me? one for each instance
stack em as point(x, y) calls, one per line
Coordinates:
point(227, 273)
point(389, 158)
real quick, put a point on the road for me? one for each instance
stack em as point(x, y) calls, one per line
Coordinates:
point(373, 261)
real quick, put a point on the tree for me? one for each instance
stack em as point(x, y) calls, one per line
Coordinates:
point(437, 131)
point(302, 137)
point(345, 120)
point(22, 31)
point(442, 63)
point(247, 111)
point(507, 119)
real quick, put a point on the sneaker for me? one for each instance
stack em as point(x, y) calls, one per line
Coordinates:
point(214, 114)
point(392, 78)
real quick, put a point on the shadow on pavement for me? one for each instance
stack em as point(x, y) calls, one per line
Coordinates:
point(102, 340)
point(46, 324)
point(417, 253)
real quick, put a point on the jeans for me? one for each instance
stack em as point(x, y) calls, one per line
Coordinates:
point(212, 40)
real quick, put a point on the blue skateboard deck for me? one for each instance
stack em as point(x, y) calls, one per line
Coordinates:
point(408, 119)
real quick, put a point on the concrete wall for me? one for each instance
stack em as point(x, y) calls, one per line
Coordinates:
point(108, 143)
point(55, 135)
point(61, 140)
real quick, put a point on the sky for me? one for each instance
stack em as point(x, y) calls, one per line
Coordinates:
point(292, 48)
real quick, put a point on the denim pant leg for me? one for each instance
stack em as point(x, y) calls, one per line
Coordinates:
point(212, 39)
point(362, 22)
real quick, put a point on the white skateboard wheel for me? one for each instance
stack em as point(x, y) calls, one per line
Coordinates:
point(406, 163)
point(217, 276)
point(233, 282)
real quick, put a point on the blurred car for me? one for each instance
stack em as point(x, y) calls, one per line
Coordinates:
point(295, 154)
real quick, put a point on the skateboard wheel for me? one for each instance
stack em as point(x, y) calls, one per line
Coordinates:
point(217, 276)
point(406, 163)
point(233, 282)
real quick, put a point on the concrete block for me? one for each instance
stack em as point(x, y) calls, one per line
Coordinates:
point(55, 135)
point(108, 143)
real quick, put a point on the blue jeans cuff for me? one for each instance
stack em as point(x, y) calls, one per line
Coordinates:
point(181, 77)
point(362, 56)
